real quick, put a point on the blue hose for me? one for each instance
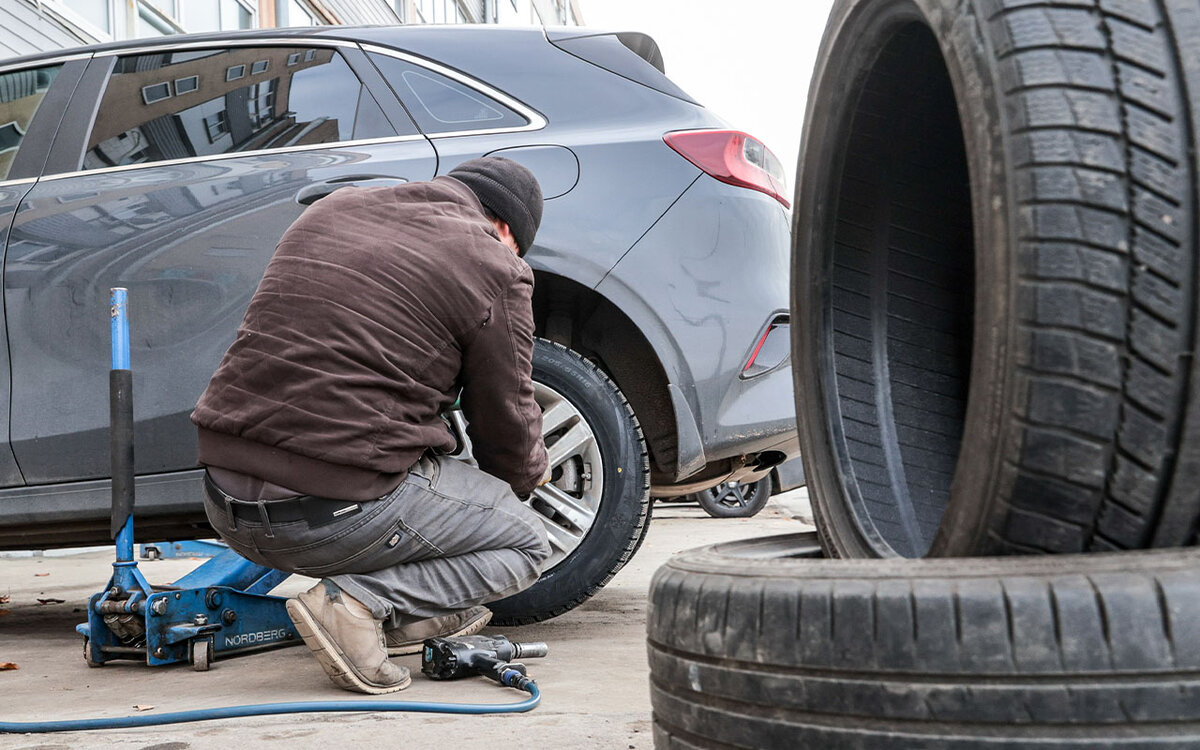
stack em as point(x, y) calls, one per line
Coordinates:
point(266, 709)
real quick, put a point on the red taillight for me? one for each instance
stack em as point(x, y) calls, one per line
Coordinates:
point(732, 156)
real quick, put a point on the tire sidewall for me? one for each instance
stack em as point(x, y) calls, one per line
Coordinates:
point(624, 504)
point(959, 26)
point(854, 36)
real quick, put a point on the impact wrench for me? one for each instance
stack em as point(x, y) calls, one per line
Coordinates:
point(490, 656)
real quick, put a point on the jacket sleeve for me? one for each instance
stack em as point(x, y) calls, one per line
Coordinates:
point(503, 420)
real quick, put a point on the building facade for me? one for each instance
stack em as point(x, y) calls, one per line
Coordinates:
point(28, 26)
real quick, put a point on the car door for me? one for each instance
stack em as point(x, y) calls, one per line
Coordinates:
point(175, 173)
point(32, 99)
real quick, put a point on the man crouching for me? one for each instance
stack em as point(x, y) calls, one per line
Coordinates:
point(321, 430)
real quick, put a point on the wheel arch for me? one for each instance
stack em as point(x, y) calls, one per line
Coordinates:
point(582, 319)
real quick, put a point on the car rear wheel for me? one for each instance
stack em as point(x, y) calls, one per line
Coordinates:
point(596, 508)
point(995, 244)
point(734, 499)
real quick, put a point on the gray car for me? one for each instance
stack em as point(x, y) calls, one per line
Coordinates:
point(172, 167)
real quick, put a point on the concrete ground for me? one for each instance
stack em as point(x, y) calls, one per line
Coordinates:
point(594, 682)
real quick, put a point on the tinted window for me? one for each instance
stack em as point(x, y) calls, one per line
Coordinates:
point(174, 105)
point(440, 104)
point(21, 93)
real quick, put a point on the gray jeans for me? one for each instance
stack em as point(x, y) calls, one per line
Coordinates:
point(449, 537)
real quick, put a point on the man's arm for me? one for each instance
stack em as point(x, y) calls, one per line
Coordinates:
point(503, 420)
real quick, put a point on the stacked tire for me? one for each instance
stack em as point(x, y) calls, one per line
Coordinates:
point(752, 645)
point(994, 320)
point(995, 244)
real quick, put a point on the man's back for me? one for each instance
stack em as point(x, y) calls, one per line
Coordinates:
point(355, 341)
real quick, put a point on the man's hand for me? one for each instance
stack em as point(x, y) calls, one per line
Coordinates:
point(546, 477)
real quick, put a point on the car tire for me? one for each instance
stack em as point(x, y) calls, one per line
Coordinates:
point(619, 512)
point(734, 499)
point(752, 644)
point(995, 244)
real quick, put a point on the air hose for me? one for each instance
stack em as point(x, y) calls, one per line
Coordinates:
point(267, 709)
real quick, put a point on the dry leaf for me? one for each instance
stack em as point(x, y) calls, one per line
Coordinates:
point(7, 665)
point(141, 707)
point(40, 575)
point(51, 600)
point(4, 612)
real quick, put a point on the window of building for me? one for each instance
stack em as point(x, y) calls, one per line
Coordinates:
point(216, 15)
point(442, 11)
point(202, 15)
point(21, 93)
point(96, 12)
point(441, 104)
point(299, 15)
point(312, 102)
point(236, 15)
point(260, 103)
point(156, 92)
point(216, 125)
point(109, 19)
point(10, 136)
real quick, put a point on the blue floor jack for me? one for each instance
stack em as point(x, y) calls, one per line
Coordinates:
point(222, 607)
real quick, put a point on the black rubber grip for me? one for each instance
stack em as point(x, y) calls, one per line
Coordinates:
point(120, 402)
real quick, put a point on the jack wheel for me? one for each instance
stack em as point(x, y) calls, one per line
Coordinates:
point(87, 654)
point(202, 654)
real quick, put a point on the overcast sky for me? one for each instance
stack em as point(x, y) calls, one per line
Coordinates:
point(749, 61)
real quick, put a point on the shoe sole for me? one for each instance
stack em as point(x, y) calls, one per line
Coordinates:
point(330, 657)
point(471, 628)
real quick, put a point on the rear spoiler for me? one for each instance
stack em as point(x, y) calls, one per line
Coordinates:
point(609, 50)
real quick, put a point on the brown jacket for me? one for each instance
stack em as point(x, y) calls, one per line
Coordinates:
point(377, 307)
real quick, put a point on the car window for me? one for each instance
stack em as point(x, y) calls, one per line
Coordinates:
point(441, 104)
point(175, 105)
point(21, 93)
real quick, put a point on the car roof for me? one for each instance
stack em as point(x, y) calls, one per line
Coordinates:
point(375, 33)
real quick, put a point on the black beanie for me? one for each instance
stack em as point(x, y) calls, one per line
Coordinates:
point(507, 189)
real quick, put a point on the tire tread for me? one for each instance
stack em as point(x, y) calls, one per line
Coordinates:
point(1117, 69)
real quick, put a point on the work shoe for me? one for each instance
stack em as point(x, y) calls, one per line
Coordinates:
point(407, 638)
point(346, 639)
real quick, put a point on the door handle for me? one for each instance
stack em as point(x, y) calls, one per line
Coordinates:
point(310, 194)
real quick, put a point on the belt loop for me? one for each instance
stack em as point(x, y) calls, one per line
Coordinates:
point(229, 511)
point(266, 520)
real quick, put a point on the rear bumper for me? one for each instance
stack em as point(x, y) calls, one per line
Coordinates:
point(702, 285)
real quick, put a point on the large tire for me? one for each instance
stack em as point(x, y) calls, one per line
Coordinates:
point(583, 559)
point(752, 648)
point(995, 297)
